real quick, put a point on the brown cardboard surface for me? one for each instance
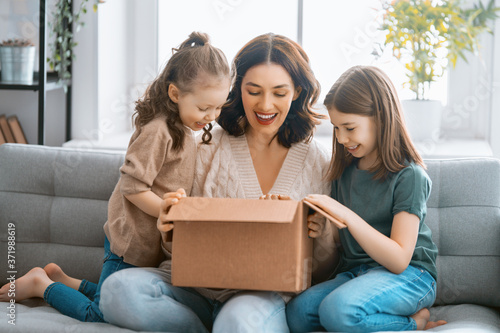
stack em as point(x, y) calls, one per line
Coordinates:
point(233, 210)
point(241, 244)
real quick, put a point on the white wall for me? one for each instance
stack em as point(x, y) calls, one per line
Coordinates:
point(495, 89)
point(229, 23)
point(84, 112)
point(116, 59)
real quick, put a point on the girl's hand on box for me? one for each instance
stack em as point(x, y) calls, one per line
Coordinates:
point(316, 224)
point(331, 206)
point(169, 199)
point(275, 197)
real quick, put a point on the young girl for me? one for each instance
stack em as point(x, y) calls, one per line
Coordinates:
point(186, 97)
point(386, 277)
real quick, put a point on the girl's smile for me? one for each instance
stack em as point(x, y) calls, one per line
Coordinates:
point(200, 125)
point(352, 149)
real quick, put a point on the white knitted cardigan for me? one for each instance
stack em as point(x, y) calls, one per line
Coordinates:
point(224, 169)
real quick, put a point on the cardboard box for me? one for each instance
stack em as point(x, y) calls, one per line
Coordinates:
point(241, 244)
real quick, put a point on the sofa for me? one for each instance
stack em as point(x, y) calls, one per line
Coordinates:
point(55, 200)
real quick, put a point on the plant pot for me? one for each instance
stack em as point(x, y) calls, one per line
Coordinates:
point(423, 119)
point(17, 63)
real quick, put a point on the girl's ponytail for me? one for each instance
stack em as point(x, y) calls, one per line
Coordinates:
point(195, 39)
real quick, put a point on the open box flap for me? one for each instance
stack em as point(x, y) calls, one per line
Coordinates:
point(329, 217)
point(196, 209)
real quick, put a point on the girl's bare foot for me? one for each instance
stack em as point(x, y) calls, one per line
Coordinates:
point(422, 318)
point(56, 274)
point(32, 284)
point(432, 324)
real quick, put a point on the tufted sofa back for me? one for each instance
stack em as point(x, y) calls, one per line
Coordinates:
point(464, 215)
point(56, 199)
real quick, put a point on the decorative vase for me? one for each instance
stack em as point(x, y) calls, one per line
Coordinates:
point(17, 64)
point(423, 119)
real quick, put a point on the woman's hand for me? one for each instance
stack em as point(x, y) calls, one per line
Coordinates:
point(169, 199)
point(316, 224)
point(275, 197)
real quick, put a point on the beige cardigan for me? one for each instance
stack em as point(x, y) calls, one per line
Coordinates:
point(150, 164)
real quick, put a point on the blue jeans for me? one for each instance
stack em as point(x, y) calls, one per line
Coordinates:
point(141, 299)
point(83, 304)
point(252, 311)
point(365, 299)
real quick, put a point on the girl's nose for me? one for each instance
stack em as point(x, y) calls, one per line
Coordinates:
point(342, 139)
point(211, 115)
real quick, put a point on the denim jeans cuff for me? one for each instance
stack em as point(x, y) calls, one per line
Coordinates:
point(413, 324)
point(82, 286)
point(47, 291)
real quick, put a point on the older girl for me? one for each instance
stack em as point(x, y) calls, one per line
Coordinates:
point(387, 273)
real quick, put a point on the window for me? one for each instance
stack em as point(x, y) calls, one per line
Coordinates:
point(337, 35)
point(230, 23)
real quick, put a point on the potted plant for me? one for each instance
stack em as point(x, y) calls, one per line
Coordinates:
point(17, 58)
point(61, 47)
point(427, 36)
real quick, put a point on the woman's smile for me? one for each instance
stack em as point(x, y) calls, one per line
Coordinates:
point(265, 118)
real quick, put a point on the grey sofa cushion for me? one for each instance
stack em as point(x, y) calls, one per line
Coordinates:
point(467, 318)
point(57, 199)
point(464, 215)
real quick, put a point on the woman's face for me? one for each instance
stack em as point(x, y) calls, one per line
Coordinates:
point(267, 92)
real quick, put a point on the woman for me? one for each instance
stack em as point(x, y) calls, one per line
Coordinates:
point(262, 150)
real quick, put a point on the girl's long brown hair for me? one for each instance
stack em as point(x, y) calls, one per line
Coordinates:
point(270, 48)
point(194, 57)
point(368, 91)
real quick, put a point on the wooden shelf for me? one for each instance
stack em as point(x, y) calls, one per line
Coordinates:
point(52, 84)
point(44, 82)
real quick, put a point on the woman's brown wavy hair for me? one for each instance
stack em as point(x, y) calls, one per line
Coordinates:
point(193, 58)
point(276, 49)
point(368, 91)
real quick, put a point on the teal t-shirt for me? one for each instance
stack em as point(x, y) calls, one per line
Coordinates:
point(376, 202)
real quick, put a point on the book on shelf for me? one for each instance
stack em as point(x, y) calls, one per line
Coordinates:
point(17, 130)
point(11, 130)
point(2, 139)
point(5, 128)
